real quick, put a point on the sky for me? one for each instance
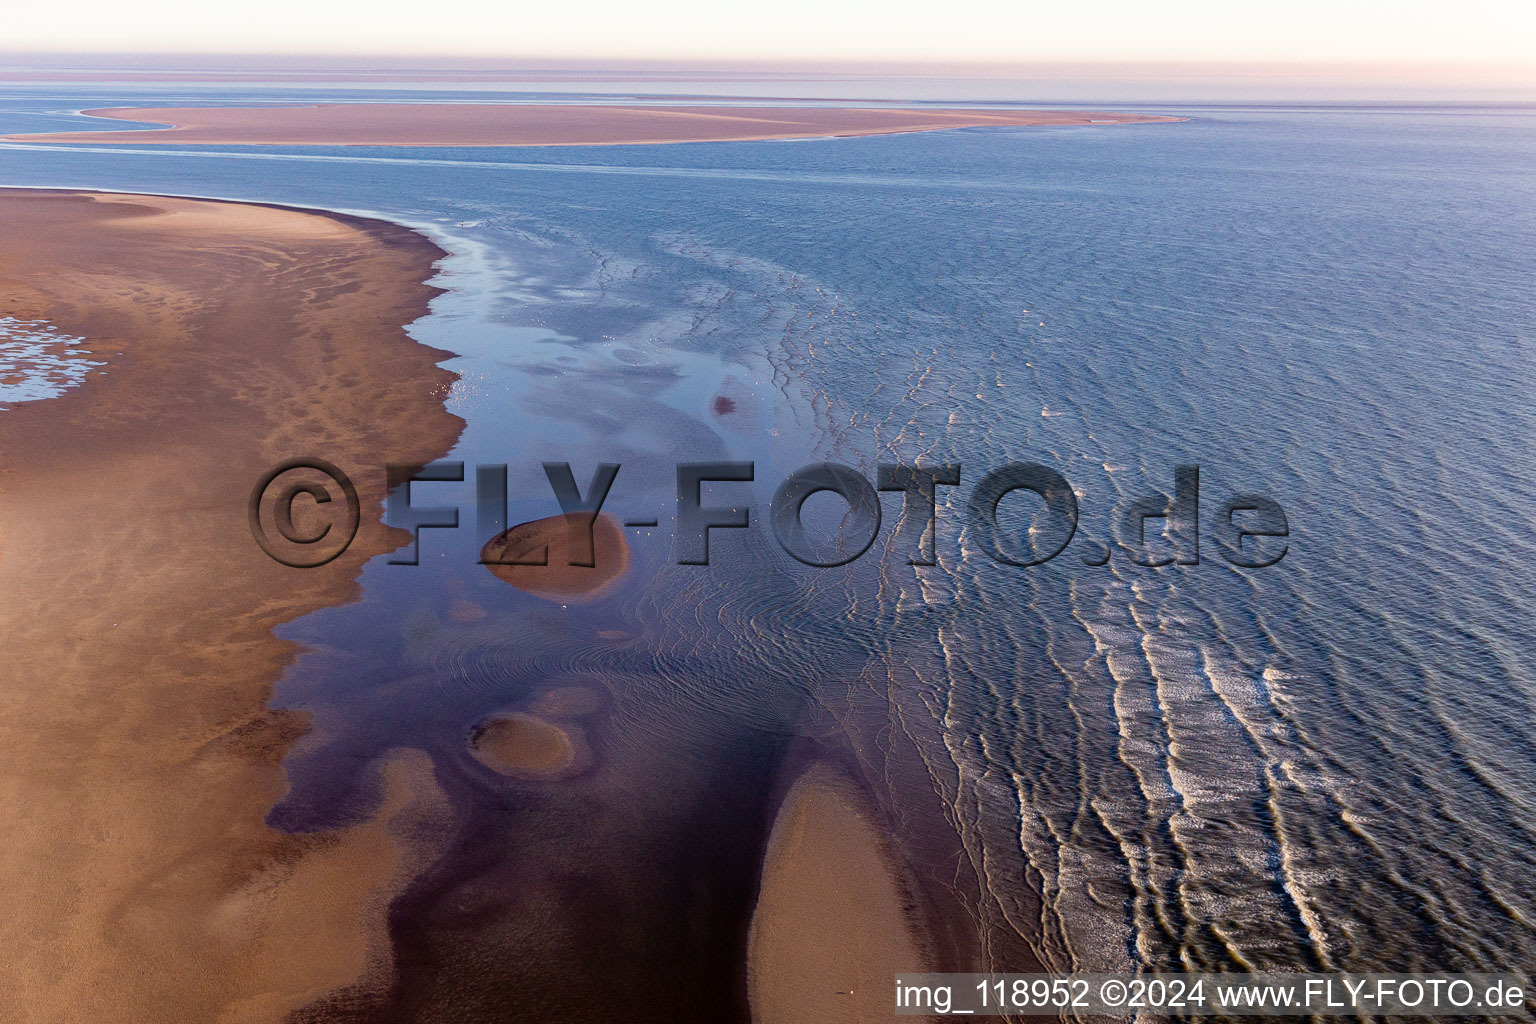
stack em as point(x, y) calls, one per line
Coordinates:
point(1467, 32)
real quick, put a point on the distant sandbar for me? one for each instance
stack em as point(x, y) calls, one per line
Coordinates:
point(566, 124)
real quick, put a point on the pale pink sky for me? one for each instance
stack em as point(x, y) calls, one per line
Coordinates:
point(1465, 32)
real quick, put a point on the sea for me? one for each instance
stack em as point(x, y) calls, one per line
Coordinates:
point(1325, 763)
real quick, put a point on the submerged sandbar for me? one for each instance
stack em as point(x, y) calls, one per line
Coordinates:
point(544, 124)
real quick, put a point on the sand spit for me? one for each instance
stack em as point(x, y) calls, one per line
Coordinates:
point(138, 757)
point(833, 925)
point(550, 124)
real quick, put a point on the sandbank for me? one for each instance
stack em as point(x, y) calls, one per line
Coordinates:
point(526, 746)
point(555, 543)
point(138, 755)
point(832, 926)
point(543, 124)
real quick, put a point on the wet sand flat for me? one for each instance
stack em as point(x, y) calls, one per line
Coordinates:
point(138, 758)
point(509, 124)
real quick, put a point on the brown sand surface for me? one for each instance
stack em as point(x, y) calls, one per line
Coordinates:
point(516, 124)
point(556, 542)
point(138, 757)
point(833, 925)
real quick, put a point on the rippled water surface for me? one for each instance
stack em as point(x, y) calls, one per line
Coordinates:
point(1326, 764)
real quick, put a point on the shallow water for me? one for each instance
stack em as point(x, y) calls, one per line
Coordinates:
point(1326, 764)
point(38, 362)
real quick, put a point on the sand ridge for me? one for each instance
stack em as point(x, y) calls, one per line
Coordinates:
point(545, 124)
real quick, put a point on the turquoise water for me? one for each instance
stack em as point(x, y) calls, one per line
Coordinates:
point(1326, 764)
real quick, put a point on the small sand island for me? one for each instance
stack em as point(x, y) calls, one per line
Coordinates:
point(529, 747)
point(545, 557)
point(543, 124)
